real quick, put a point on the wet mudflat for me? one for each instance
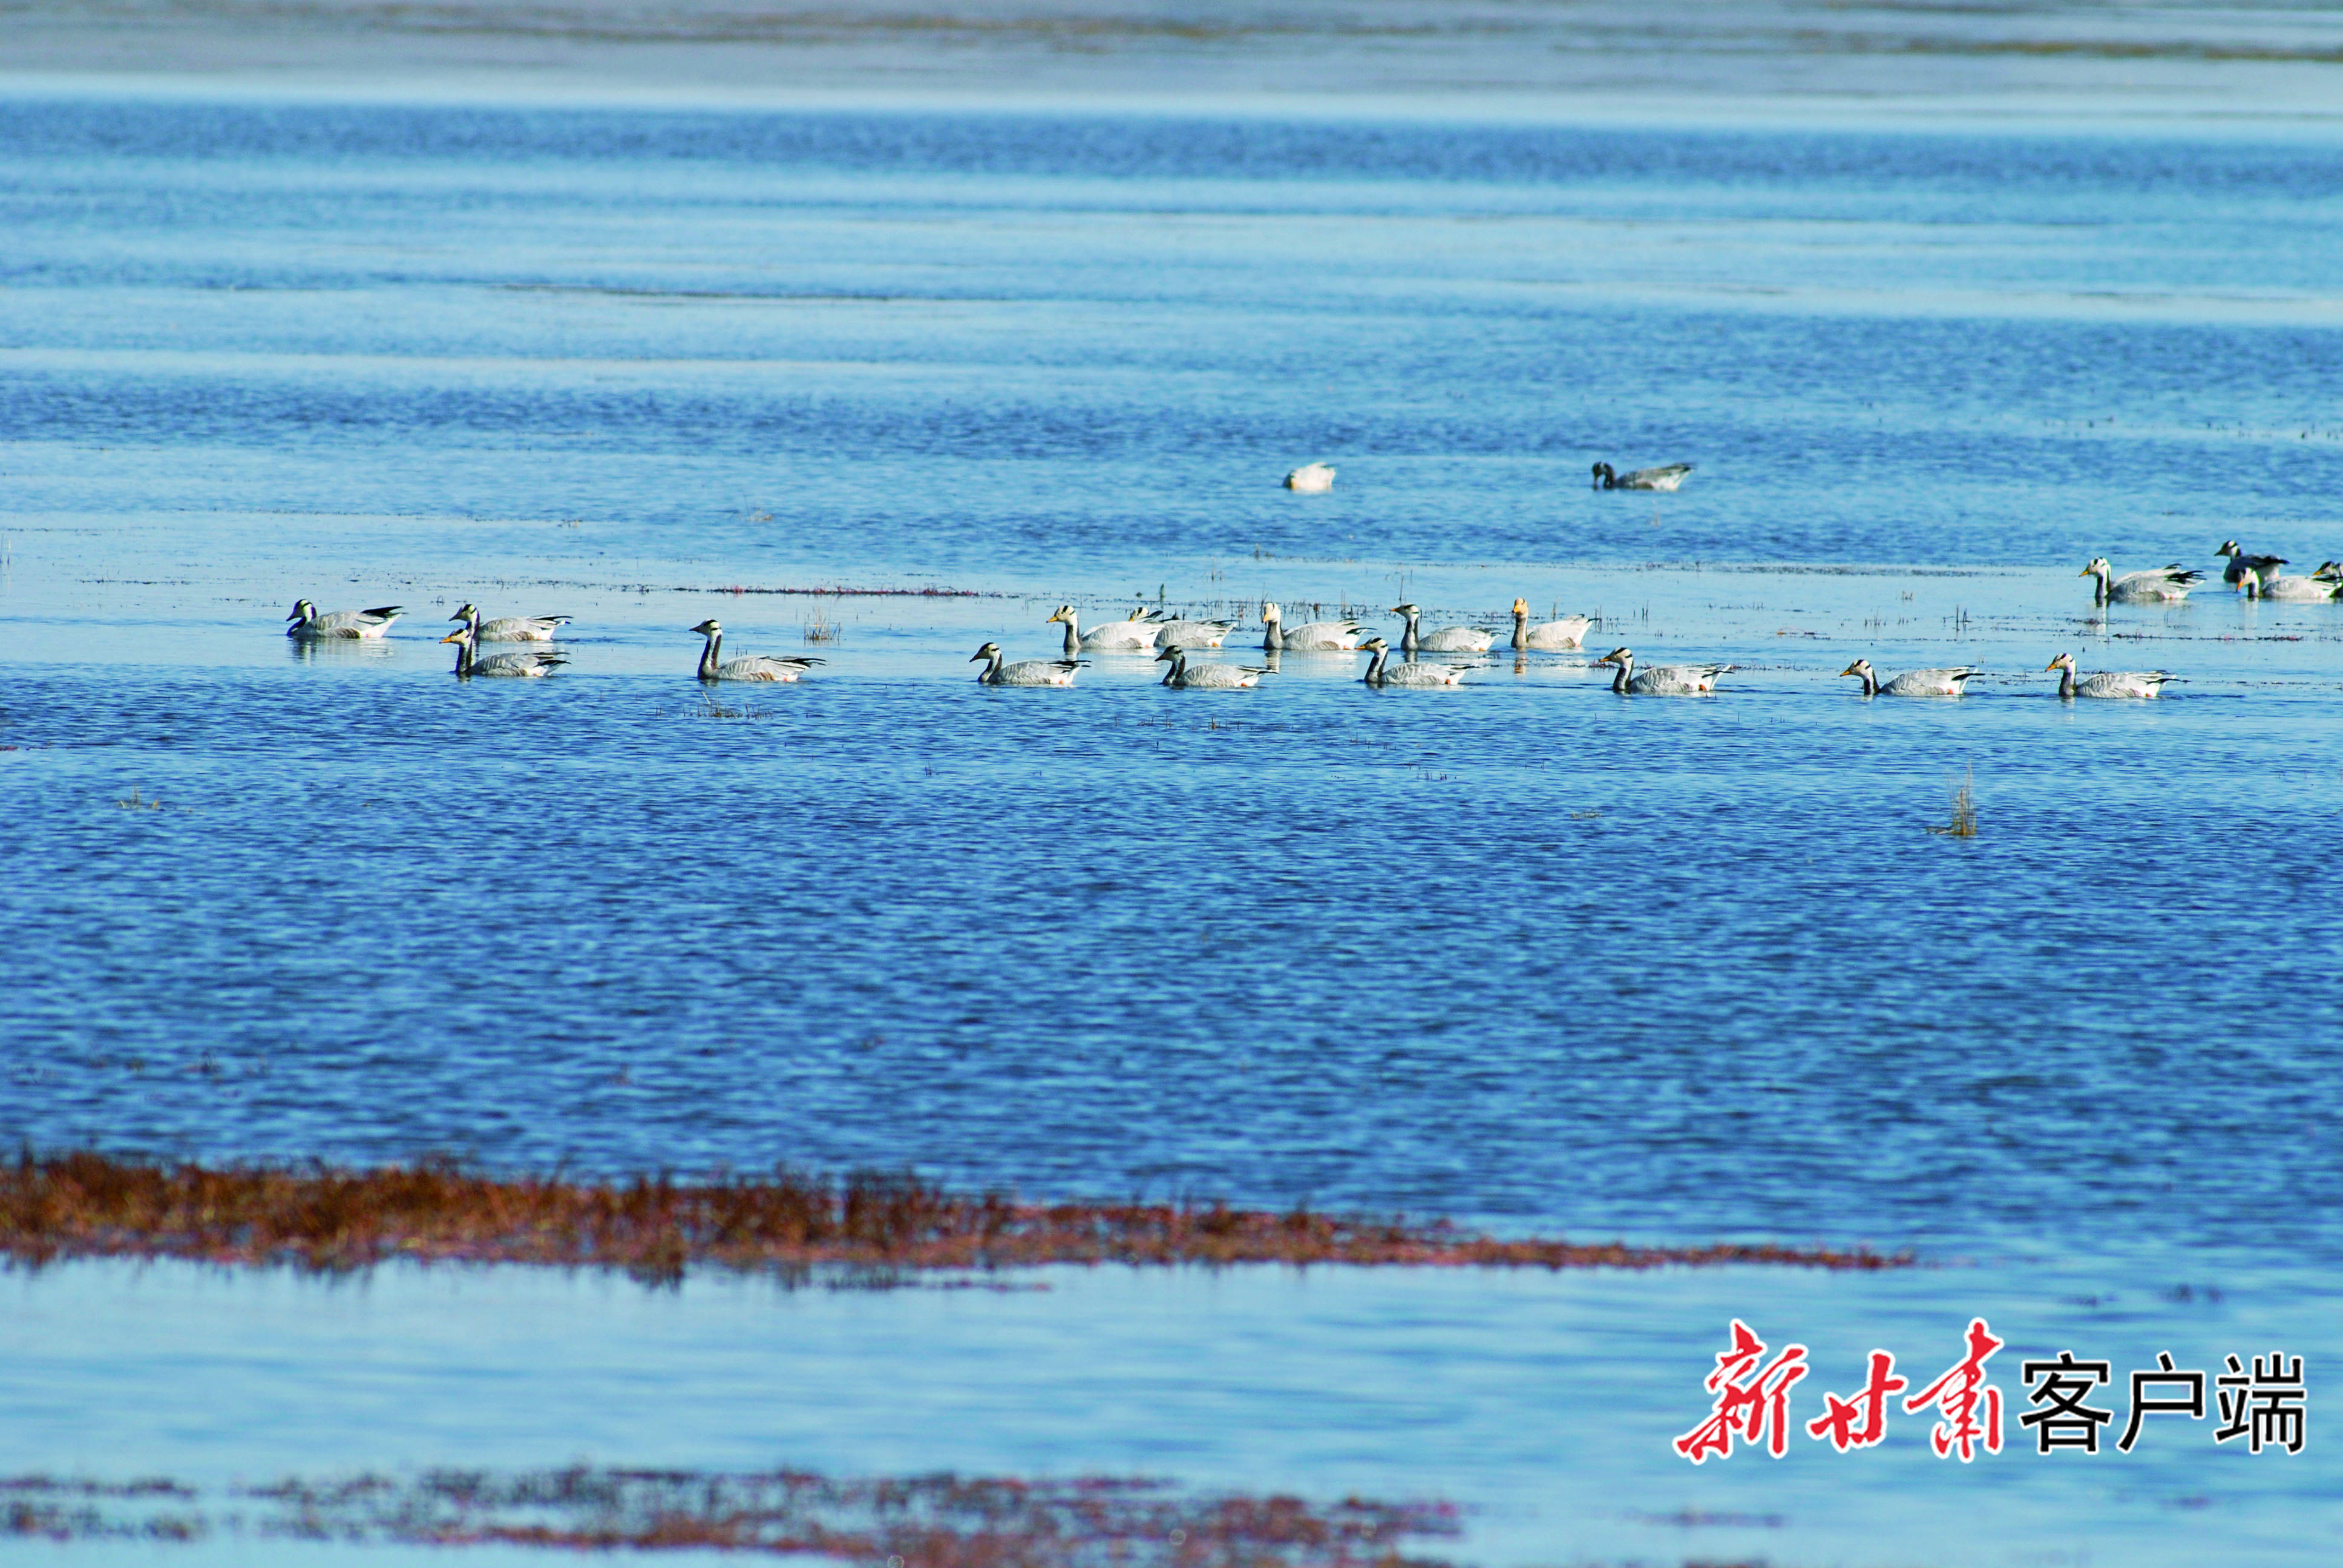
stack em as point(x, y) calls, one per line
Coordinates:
point(1524, 953)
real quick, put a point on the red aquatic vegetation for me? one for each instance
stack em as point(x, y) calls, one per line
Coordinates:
point(329, 1218)
point(940, 1521)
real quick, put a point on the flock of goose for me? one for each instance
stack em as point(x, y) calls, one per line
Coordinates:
point(1170, 640)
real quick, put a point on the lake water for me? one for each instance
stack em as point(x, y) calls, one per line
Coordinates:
point(1524, 952)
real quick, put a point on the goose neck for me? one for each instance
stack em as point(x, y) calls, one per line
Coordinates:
point(1374, 676)
point(1619, 680)
point(2065, 680)
point(709, 651)
point(1408, 641)
point(1520, 630)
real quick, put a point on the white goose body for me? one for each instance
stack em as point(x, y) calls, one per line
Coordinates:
point(1447, 639)
point(1570, 631)
point(1192, 633)
point(2298, 590)
point(2163, 585)
point(512, 627)
point(1665, 478)
point(1185, 676)
point(341, 623)
point(2111, 683)
point(1024, 672)
point(1661, 679)
point(1132, 635)
point(714, 666)
point(531, 665)
point(1381, 674)
point(1311, 637)
point(1912, 683)
point(1311, 478)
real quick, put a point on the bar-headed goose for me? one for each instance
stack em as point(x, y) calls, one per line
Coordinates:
point(1912, 683)
point(1132, 635)
point(1025, 671)
point(512, 627)
point(714, 666)
point(343, 623)
point(2108, 682)
point(1662, 679)
point(1311, 637)
point(1206, 676)
point(1447, 639)
point(530, 665)
point(2163, 585)
point(1382, 673)
point(1192, 633)
point(1311, 478)
point(2313, 588)
point(1570, 631)
point(2243, 566)
point(1665, 478)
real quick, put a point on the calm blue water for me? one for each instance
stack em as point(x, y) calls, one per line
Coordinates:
point(1520, 952)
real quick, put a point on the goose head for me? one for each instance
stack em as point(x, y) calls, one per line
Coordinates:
point(2230, 548)
point(1618, 656)
point(1172, 655)
point(990, 650)
point(462, 635)
point(303, 610)
point(1064, 612)
point(1603, 474)
point(2065, 661)
point(1269, 614)
point(1861, 667)
point(710, 627)
point(1374, 644)
point(466, 613)
point(1521, 609)
point(1411, 612)
point(2098, 568)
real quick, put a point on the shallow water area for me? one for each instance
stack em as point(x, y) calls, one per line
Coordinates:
point(1524, 952)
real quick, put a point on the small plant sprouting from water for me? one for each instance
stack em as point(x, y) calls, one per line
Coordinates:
point(1964, 824)
point(134, 802)
point(821, 629)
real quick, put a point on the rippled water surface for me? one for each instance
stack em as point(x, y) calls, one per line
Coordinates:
point(1524, 952)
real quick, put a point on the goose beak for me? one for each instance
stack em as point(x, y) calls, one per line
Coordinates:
point(2084, 573)
point(2049, 666)
point(453, 637)
point(1852, 669)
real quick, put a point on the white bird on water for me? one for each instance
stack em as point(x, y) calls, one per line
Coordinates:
point(2108, 682)
point(340, 623)
point(2161, 585)
point(1381, 674)
point(714, 666)
point(530, 665)
point(1025, 671)
point(2243, 566)
point(1665, 478)
point(2312, 589)
point(512, 627)
point(1311, 637)
point(1132, 635)
point(1661, 679)
point(1311, 478)
point(1447, 639)
point(1912, 683)
point(1570, 631)
point(1192, 633)
point(1183, 677)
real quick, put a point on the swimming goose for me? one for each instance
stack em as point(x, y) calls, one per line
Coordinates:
point(2164, 584)
point(2108, 682)
point(1132, 635)
point(1570, 631)
point(2243, 566)
point(1663, 679)
point(1025, 671)
point(714, 666)
point(1311, 478)
point(1381, 673)
point(1666, 477)
point(350, 623)
point(512, 627)
point(2314, 587)
point(1912, 683)
point(526, 665)
point(1192, 633)
point(1447, 639)
point(1206, 676)
point(1311, 637)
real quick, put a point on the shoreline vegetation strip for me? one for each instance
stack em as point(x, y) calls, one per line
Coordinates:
point(325, 1219)
point(938, 1521)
